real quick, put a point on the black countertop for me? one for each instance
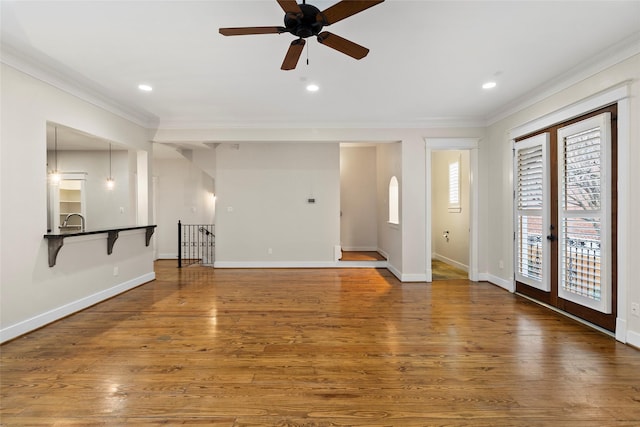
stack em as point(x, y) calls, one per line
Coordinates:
point(95, 231)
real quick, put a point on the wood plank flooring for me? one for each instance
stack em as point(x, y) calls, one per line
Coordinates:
point(362, 256)
point(319, 347)
point(443, 271)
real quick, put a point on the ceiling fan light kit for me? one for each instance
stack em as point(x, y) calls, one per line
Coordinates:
point(305, 20)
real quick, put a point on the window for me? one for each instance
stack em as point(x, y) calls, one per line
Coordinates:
point(454, 186)
point(394, 203)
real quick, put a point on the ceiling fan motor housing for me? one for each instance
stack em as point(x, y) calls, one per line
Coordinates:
point(308, 24)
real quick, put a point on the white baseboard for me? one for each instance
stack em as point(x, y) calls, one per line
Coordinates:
point(300, 264)
point(394, 271)
point(633, 338)
point(450, 261)
point(21, 328)
point(275, 264)
point(498, 281)
point(413, 278)
point(621, 330)
point(406, 277)
point(168, 256)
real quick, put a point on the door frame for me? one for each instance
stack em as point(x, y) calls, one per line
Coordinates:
point(616, 94)
point(457, 144)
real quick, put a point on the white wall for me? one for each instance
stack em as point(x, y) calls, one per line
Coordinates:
point(455, 251)
point(358, 198)
point(389, 164)
point(185, 193)
point(204, 158)
point(500, 170)
point(263, 217)
point(408, 242)
point(32, 293)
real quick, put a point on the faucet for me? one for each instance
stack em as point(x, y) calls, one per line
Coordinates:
point(64, 224)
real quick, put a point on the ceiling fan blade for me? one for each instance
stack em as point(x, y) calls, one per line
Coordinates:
point(343, 45)
point(345, 9)
point(290, 6)
point(293, 54)
point(242, 31)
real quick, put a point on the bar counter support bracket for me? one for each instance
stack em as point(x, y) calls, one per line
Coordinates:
point(55, 244)
point(111, 240)
point(148, 234)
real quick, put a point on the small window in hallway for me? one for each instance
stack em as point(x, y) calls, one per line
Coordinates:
point(394, 203)
point(454, 186)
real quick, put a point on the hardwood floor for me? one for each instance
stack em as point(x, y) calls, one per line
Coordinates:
point(443, 271)
point(362, 256)
point(321, 347)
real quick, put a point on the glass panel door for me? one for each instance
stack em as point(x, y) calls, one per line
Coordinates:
point(532, 212)
point(565, 192)
point(584, 253)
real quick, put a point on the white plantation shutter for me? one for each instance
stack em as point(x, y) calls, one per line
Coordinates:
point(530, 177)
point(531, 211)
point(454, 186)
point(584, 181)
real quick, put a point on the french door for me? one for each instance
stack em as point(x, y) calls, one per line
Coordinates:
point(565, 216)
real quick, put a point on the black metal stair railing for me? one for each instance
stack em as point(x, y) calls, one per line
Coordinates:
point(196, 244)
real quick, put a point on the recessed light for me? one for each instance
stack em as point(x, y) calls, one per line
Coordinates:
point(313, 87)
point(145, 88)
point(489, 85)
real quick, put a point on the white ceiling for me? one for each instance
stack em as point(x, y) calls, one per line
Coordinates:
point(427, 63)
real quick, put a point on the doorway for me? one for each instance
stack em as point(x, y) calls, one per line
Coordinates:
point(450, 214)
point(565, 215)
point(358, 202)
point(469, 146)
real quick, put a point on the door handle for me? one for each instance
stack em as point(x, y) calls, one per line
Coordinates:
point(551, 237)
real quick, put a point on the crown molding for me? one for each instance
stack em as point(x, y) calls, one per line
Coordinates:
point(74, 85)
point(425, 123)
point(607, 58)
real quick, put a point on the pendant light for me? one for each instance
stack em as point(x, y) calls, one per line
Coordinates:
point(110, 182)
point(55, 175)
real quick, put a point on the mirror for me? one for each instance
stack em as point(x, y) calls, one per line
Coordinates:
point(80, 198)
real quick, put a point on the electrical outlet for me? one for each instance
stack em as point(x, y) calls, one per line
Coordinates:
point(501, 264)
point(270, 251)
point(116, 271)
point(635, 309)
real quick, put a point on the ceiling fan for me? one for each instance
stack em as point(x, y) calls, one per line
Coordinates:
point(305, 20)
